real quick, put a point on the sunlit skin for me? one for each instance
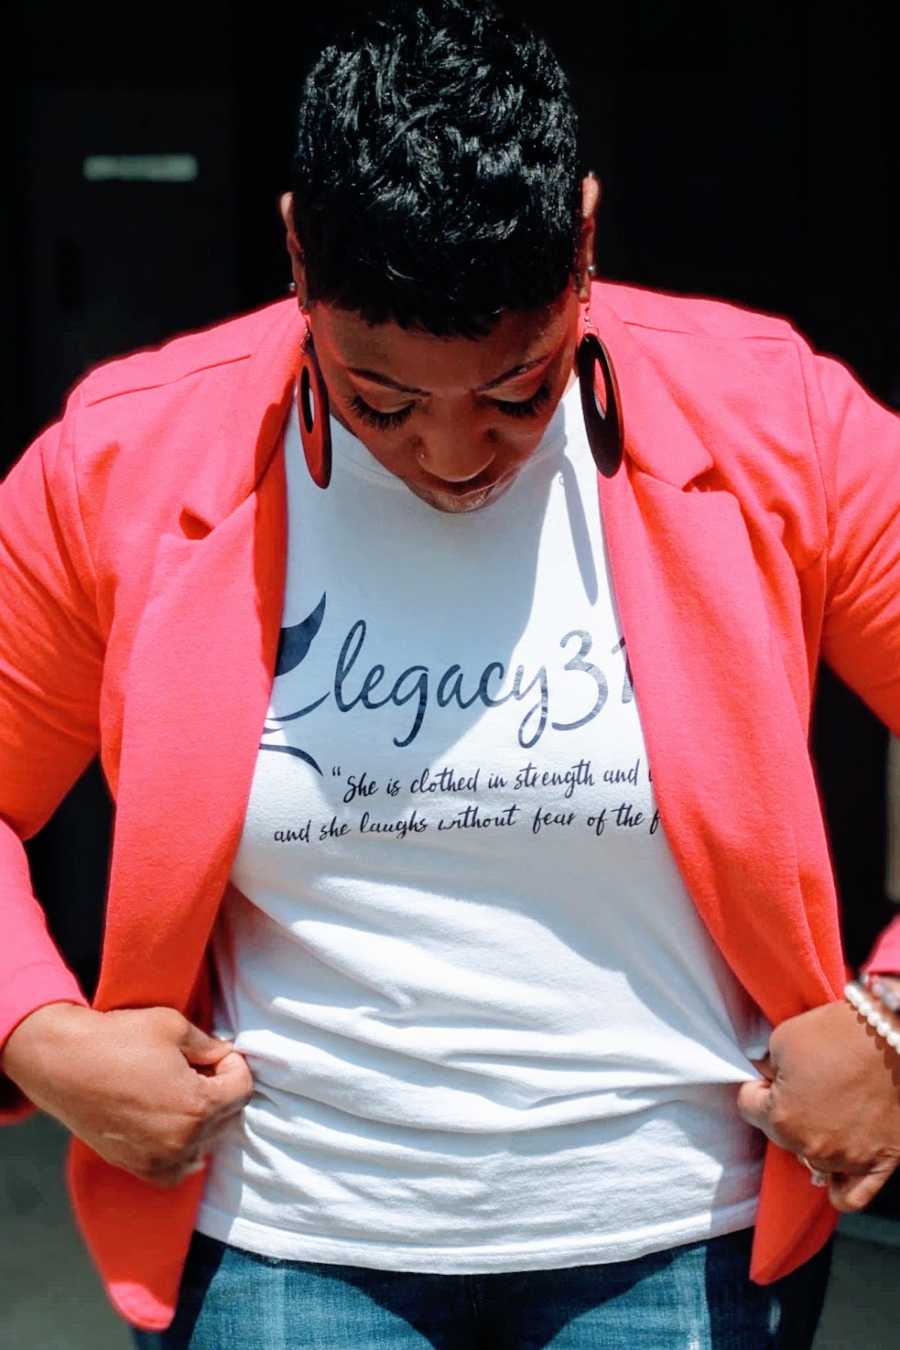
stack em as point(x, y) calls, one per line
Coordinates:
point(467, 413)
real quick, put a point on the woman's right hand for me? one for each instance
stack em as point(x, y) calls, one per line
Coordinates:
point(143, 1087)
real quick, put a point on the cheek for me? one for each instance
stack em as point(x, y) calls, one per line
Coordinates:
point(523, 435)
point(394, 451)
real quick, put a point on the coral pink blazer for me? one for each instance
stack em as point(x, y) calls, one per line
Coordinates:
point(753, 526)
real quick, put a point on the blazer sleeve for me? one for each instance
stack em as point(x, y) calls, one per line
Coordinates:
point(51, 657)
point(859, 445)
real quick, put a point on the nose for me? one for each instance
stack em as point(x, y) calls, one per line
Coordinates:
point(454, 455)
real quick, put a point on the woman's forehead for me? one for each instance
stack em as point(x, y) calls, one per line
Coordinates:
point(419, 361)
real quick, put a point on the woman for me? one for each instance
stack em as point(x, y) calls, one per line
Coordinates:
point(470, 920)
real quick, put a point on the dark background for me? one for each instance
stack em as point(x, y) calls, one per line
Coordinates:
point(747, 152)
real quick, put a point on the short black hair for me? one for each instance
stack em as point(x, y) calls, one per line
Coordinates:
point(436, 179)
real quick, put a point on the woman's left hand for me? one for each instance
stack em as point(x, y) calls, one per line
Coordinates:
point(831, 1094)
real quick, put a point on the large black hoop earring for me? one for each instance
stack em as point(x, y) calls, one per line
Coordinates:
point(315, 418)
point(605, 432)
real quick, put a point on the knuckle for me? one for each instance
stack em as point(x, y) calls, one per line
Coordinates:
point(168, 1020)
point(782, 1122)
point(188, 1141)
point(167, 1171)
point(199, 1104)
point(176, 1146)
point(162, 1161)
point(172, 1019)
point(820, 1155)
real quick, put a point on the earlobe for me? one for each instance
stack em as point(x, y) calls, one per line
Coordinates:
point(587, 268)
point(583, 283)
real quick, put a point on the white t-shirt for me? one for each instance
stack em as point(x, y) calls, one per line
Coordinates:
point(487, 1028)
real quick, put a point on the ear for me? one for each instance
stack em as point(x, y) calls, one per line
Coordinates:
point(295, 252)
point(591, 192)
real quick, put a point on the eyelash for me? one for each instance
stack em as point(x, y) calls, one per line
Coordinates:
point(529, 407)
point(382, 420)
point(387, 421)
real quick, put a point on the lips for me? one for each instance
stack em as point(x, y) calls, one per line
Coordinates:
point(479, 483)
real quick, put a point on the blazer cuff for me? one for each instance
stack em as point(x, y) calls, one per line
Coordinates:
point(30, 988)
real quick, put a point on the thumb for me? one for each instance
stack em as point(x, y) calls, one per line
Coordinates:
point(851, 1193)
point(230, 1081)
point(766, 1067)
point(198, 1047)
point(754, 1101)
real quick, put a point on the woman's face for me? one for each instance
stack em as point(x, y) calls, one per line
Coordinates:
point(454, 418)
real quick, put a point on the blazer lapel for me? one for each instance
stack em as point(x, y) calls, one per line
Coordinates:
point(724, 737)
point(196, 694)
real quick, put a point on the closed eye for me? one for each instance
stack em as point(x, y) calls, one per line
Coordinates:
point(382, 420)
point(385, 421)
point(528, 408)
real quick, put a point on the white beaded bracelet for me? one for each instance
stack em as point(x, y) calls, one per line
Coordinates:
point(883, 992)
point(868, 1008)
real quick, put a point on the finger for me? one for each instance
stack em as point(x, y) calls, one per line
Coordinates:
point(754, 1103)
point(233, 1072)
point(850, 1194)
point(765, 1066)
point(229, 1088)
point(198, 1047)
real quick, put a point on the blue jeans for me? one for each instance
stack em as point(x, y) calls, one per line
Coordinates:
point(695, 1297)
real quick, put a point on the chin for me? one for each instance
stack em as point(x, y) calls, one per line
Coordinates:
point(459, 507)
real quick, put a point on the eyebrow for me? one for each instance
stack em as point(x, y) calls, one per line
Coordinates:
point(510, 374)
